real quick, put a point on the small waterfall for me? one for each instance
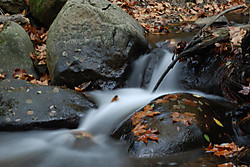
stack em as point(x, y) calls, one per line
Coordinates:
point(109, 114)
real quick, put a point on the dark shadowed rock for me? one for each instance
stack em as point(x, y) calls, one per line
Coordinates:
point(93, 40)
point(26, 106)
point(15, 48)
point(13, 6)
point(213, 72)
point(45, 11)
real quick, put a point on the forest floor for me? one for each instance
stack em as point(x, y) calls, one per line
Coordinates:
point(160, 17)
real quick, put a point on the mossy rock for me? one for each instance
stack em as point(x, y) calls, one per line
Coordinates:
point(45, 11)
point(15, 49)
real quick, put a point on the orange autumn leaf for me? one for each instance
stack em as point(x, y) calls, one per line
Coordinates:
point(185, 118)
point(2, 76)
point(226, 149)
point(115, 98)
point(137, 117)
point(147, 111)
point(230, 164)
point(189, 102)
point(151, 114)
point(18, 74)
point(139, 129)
point(149, 135)
point(166, 99)
point(83, 86)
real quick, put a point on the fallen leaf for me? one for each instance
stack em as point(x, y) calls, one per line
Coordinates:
point(236, 35)
point(245, 89)
point(30, 112)
point(230, 164)
point(139, 129)
point(83, 86)
point(55, 90)
point(226, 149)
point(2, 76)
point(185, 118)
point(148, 135)
point(189, 102)
point(207, 137)
point(28, 101)
point(218, 122)
point(115, 98)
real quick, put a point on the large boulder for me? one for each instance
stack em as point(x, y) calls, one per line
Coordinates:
point(45, 11)
point(200, 117)
point(26, 106)
point(93, 40)
point(13, 6)
point(15, 49)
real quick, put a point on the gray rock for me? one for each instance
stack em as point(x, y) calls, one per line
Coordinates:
point(93, 40)
point(203, 21)
point(15, 48)
point(13, 6)
point(45, 11)
point(26, 106)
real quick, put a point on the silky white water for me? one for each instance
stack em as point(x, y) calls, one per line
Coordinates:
point(56, 148)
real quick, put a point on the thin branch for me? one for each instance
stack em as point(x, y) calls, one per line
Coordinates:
point(183, 54)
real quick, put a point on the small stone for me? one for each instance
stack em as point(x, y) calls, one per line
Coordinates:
point(39, 92)
point(8, 119)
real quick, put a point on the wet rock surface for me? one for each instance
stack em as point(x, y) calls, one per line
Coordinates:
point(26, 106)
point(15, 48)
point(175, 136)
point(93, 41)
point(210, 73)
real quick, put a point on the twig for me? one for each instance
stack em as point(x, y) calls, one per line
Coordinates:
point(211, 22)
point(182, 54)
point(1, 11)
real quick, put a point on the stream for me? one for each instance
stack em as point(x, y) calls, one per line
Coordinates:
point(59, 148)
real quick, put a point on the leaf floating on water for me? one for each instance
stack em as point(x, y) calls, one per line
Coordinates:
point(218, 122)
point(115, 98)
point(207, 138)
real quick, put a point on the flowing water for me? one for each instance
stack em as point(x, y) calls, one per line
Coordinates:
point(58, 149)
